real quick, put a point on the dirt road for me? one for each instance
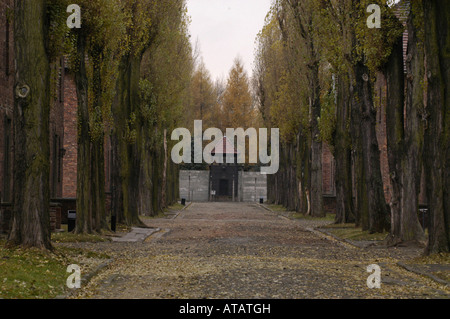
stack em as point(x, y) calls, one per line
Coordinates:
point(240, 250)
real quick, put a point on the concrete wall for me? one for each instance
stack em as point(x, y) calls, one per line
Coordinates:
point(252, 186)
point(194, 185)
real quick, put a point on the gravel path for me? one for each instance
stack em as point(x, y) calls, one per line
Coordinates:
point(241, 251)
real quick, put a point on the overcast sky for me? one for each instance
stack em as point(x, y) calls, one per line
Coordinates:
point(226, 29)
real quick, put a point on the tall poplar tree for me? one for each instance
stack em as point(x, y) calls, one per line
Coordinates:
point(133, 194)
point(98, 46)
point(437, 132)
point(31, 221)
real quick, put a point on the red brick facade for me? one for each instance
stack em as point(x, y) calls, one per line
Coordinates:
point(70, 138)
point(57, 137)
point(328, 172)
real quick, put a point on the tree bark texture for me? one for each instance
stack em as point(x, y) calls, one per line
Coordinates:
point(437, 128)
point(359, 189)
point(410, 228)
point(290, 185)
point(84, 183)
point(126, 161)
point(31, 221)
point(374, 216)
point(342, 154)
point(316, 145)
point(98, 203)
point(395, 134)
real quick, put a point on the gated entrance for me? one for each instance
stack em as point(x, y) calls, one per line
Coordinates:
point(224, 177)
point(223, 182)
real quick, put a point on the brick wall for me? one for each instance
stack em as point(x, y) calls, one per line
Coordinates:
point(328, 171)
point(57, 130)
point(70, 138)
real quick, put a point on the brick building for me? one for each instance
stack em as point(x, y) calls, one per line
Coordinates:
point(69, 189)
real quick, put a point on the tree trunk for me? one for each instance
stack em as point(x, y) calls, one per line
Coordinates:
point(164, 172)
point(119, 144)
point(145, 173)
point(316, 148)
point(411, 230)
point(358, 187)
point(437, 133)
point(305, 151)
point(395, 135)
point(342, 155)
point(98, 187)
point(138, 198)
point(157, 179)
point(31, 221)
point(374, 216)
point(98, 204)
point(84, 190)
point(126, 158)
